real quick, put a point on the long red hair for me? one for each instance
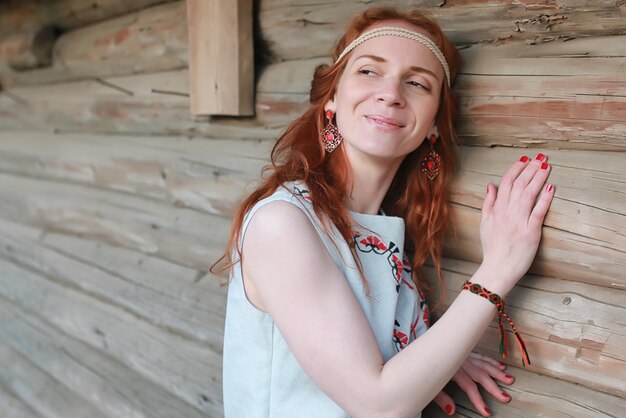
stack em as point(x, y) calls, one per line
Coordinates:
point(299, 155)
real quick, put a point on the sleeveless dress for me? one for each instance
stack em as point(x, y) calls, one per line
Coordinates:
point(261, 376)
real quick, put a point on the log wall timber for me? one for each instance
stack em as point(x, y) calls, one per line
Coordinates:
point(60, 278)
point(563, 105)
point(64, 14)
point(584, 234)
point(27, 30)
point(144, 41)
point(114, 201)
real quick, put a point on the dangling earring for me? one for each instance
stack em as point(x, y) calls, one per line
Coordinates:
point(330, 134)
point(432, 162)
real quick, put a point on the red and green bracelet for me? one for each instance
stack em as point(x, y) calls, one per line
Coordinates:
point(499, 302)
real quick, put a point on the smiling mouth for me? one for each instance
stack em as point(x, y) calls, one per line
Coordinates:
point(383, 121)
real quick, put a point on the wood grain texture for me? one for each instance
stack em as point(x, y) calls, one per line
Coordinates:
point(583, 237)
point(573, 331)
point(204, 176)
point(12, 406)
point(64, 14)
point(147, 104)
point(536, 396)
point(180, 365)
point(154, 39)
point(586, 220)
point(116, 389)
point(42, 392)
point(303, 29)
point(181, 235)
point(505, 99)
point(176, 298)
point(221, 63)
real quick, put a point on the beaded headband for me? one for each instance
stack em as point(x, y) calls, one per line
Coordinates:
point(403, 33)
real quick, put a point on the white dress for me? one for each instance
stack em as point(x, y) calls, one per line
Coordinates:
point(261, 377)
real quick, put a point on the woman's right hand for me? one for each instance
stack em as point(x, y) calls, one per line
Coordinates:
point(510, 227)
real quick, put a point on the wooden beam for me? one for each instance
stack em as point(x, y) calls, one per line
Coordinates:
point(221, 57)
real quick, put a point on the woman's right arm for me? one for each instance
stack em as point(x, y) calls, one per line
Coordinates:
point(322, 322)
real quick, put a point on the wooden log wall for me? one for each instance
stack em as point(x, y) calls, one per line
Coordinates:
point(114, 202)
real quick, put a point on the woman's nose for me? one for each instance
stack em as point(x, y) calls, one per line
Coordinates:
point(390, 92)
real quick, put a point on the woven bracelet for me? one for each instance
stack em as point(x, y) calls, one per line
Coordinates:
point(499, 302)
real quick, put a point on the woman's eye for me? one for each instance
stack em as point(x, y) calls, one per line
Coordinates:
point(367, 72)
point(418, 84)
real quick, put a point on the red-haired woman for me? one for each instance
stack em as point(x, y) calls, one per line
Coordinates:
point(325, 317)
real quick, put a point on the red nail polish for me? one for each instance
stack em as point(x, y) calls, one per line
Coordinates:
point(508, 376)
point(448, 409)
point(487, 411)
point(540, 157)
point(524, 158)
point(506, 395)
point(549, 188)
point(544, 166)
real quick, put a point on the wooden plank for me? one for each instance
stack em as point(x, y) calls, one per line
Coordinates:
point(64, 14)
point(149, 40)
point(572, 330)
point(209, 176)
point(552, 110)
point(148, 104)
point(181, 235)
point(536, 396)
point(112, 387)
point(221, 64)
point(577, 225)
point(159, 292)
point(182, 366)
point(293, 30)
point(40, 391)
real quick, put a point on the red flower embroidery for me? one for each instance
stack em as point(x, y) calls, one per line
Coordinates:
point(374, 242)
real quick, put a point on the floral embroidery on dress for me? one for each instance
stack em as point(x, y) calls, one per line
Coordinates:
point(374, 244)
point(400, 339)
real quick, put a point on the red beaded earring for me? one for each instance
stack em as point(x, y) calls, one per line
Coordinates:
point(331, 138)
point(432, 162)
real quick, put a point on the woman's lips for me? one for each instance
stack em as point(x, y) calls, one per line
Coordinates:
point(384, 122)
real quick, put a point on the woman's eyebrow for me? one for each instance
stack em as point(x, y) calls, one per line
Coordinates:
point(415, 68)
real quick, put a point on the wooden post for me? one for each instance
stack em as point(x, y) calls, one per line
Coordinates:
point(221, 65)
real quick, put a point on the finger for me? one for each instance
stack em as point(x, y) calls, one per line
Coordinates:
point(490, 368)
point(493, 367)
point(534, 187)
point(490, 198)
point(538, 213)
point(493, 361)
point(470, 388)
point(525, 177)
point(506, 182)
point(445, 402)
point(484, 373)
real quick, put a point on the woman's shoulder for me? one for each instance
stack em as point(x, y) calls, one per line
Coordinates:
point(296, 193)
point(290, 199)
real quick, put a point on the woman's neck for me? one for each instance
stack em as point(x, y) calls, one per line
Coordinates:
point(370, 182)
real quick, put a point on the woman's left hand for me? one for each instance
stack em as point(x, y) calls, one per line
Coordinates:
point(477, 369)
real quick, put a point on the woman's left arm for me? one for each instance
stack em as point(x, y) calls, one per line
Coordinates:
point(477, 369)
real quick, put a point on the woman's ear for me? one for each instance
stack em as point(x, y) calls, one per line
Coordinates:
point(330, 105)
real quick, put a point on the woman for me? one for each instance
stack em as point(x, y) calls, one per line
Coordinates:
point(324, 305)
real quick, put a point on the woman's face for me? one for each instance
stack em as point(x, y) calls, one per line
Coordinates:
point(387, 97)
